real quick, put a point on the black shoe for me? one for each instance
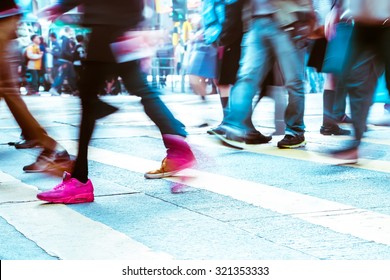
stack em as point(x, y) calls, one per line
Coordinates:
point(216, 130)
point(238, 140)
point(51, 161)
point(292, 142)
point(26, 144)
point(334, 130)
point(256, 138)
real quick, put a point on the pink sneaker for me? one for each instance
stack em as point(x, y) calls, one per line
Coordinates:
point(70, 191)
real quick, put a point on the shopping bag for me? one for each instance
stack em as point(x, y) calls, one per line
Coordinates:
point(382, 94)
point(336, 53)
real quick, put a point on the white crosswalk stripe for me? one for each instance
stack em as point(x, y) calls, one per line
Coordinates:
point(59, 237)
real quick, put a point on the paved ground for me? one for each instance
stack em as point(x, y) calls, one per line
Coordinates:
point(258, 203)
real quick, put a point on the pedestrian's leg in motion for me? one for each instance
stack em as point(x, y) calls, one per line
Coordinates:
point(179, 154)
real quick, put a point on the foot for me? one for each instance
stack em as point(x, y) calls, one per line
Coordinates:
point(238, 139)
point(26, 144)
point(334, 130)
point(171, 166)
point(216, 130)
point(292, 142)
point(54, 92)
point(69, 191)
point(50, 161)
point(348, 155)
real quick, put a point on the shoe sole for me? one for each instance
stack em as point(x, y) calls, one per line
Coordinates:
point(170, 173)
point(346, 161)
point(335, 134)
point(26, 147)
point(300, 145)
point(53, 168)
point(228, 142)
point(81, 198)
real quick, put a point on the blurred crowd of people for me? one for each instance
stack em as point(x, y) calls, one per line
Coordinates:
point(55, 65)
point(241, 47)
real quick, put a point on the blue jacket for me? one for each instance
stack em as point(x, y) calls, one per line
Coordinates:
point(213, 16)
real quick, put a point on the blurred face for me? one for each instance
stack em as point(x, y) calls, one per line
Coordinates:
point(37, 40)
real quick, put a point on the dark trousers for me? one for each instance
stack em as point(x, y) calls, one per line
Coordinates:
point(369, 53)
point(134, 79)
point(34, 85)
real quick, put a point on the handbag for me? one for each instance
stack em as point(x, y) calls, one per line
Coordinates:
point(203, 61)
point(382, 94)
point(337, 49)
point(317, 54)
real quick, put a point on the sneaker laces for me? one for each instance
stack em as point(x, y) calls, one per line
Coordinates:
point(163, 165)
point(61, 186)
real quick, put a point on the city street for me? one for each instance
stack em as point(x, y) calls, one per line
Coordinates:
point(257, 203)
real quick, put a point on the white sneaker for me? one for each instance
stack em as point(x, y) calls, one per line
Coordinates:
point(54, 92)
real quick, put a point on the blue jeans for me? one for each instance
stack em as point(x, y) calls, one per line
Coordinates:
point(64, 70)
point(262, 45)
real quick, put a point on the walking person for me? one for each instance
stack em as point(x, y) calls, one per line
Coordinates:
point(79, 56)
point(277, 33)
point(67, 44)
point(34, 63)
point(53, 157)
point(334, 98)
point(42, 77)
point(366, 62)
point(54, 49)
point(108, 20)
point(223, 27)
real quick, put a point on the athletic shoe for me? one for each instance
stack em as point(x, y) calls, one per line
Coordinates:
point(54, 92)
point(292, 142)
point(216, 130)
point(238, 139)
point(334, 130)
point(179, 157)
point(348, 156)
point(69, 191)
point(170, 167)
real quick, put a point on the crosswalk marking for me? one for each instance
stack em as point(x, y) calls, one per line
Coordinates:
point(339, 217)
point(63, 232)
point(271, 149)
point(17, 199)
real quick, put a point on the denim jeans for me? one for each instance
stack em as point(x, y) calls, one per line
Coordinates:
point(263, 45)
point(65, 70)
